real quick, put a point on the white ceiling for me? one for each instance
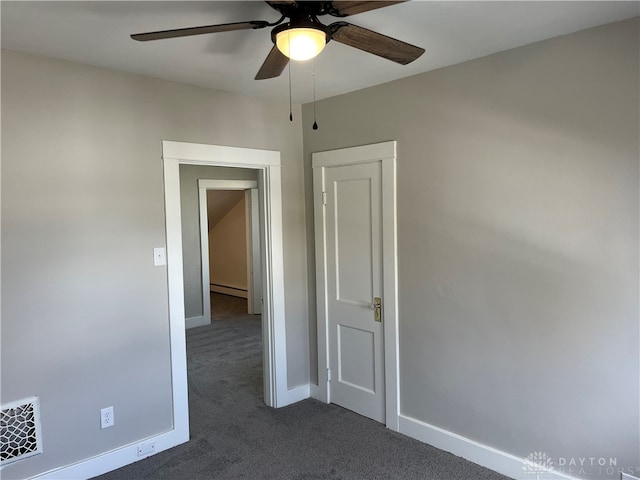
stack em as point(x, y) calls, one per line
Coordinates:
point(97, 33)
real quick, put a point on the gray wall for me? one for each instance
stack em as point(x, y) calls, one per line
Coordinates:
point(84, 311)
point(190, 212)
point(518, 198)
point(518, 203)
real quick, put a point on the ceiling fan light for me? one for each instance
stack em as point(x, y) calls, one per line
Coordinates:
point(301, 43)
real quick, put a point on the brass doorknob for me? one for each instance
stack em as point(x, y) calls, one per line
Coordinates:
point(376, 306)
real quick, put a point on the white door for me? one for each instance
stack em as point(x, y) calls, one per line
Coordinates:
point(354, 288)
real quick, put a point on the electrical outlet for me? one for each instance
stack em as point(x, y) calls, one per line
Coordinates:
point(146, 449)
point(106, 417)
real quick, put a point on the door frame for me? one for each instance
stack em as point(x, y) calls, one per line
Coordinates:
point(252, 223)
point(254, 259)
point(385, 154)
point(267, 164)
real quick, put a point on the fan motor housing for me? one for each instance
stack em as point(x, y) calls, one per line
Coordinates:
point(306, 23)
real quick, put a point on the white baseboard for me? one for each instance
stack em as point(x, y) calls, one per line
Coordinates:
point(234, 292)
point(489, 457)
point(295, 395)
point(193, 322)
point(109, 461)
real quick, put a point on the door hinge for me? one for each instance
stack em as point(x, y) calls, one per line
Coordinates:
point(324, 198)
point(328, 374)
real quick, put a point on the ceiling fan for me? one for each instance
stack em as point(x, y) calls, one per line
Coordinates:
point(303, 36)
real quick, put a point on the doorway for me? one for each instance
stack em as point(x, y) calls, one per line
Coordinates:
point(267, 165)
point(356, 251)
point(231, 262)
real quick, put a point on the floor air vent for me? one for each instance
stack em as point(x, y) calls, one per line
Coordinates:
point(20, 430)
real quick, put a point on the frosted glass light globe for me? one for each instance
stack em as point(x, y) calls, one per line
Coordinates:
point(301, 43)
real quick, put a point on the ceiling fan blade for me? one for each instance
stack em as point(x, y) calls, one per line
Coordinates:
point(273, 65)
point(185, 32)
point(275, 3)
point(376, 43)
point(345, 8)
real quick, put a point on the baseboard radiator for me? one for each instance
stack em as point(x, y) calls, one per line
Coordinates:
point(20, 435)
point(228, 290)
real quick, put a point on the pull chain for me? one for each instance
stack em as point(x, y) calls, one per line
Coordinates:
point(289, 65)
point(290, 109)
point(315, 123)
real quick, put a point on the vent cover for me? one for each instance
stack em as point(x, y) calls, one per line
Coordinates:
point(20, 430)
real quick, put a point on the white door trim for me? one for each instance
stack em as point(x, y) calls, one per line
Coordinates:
point(204, 260)
point(254, 275)
point(203, 186)
point(385, 153)
point(267, 164)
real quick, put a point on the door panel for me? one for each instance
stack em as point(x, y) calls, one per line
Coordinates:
point(356, 358)
point(353, 253)
point(354, 279)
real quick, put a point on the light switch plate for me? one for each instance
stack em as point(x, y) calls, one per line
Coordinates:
point(159, 256)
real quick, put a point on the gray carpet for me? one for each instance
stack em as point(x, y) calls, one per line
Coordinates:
point(235, 436)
